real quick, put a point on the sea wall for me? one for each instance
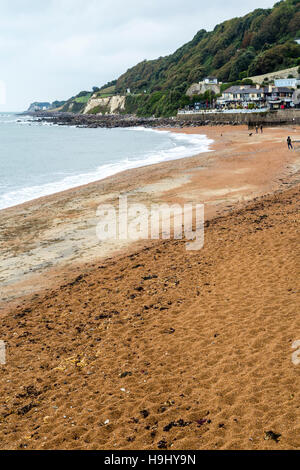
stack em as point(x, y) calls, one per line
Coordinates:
point(291, 116)
point(284, 117)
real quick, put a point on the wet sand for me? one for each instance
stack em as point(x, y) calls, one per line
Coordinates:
point(41, 239)
point(146, 345)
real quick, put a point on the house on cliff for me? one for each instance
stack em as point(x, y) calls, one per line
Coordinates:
point(208, 84)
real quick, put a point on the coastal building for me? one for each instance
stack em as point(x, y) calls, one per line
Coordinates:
point(296, 98)
point(208, 84)
point(278, 97)
point(241, 96)
point(210, 81)
point(287, 82)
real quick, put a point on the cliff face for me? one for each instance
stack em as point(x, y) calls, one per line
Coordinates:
point(109, 105)
point(39, 106)
point(201, 88)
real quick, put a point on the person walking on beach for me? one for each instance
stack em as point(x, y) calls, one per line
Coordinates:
point(289, 142)
point(261, 129)
point(256, 129)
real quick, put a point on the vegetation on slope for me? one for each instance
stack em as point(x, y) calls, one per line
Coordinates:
point(260, 42)
point(77, 103)
point(263, 41)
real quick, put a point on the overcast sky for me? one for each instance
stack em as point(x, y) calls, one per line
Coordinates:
point(52, 49)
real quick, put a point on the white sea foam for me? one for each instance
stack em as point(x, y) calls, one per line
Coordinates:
point(183, 145)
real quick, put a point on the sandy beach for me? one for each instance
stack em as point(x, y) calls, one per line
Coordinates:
point(122, 345)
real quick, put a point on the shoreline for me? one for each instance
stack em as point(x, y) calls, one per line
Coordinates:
point(140, 164)
point(54, 233)
point(269, 118)
point(185, 130)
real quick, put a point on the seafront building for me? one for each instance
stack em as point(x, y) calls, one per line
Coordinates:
point(281, 93)
point(279, 97)
point(247, 96)
point(242, 95)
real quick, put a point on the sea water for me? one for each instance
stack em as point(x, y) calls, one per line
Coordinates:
point(39, 158)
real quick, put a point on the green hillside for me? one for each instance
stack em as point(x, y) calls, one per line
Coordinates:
point(260, 42)
point(77, 103)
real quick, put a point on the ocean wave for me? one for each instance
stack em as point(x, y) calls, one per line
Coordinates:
point(182, 145)
point(23, 120)
point(18, 120)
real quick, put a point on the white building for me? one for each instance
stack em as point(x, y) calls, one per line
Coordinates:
point(210, 81)
point(288, 82)
point(208, 84)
